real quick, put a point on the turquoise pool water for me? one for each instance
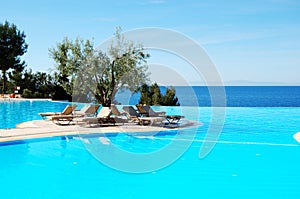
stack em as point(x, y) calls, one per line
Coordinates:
point(255, 157)
point(14, 112)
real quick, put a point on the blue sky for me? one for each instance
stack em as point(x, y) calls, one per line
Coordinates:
point(250, 42)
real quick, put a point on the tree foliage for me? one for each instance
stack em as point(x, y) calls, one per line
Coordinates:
point(103, 74)
point(145, 97)
point(12, 47)
point(33, 85)
point(151, 95)
point(99, 75)
point(69, 56)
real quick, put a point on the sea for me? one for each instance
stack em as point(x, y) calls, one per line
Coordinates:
point(229, 96)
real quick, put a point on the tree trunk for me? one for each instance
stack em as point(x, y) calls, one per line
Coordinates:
point(102, 100)
point(4, 82)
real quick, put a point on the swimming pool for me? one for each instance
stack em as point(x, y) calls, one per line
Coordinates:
point(14, 112)
point(255, 156)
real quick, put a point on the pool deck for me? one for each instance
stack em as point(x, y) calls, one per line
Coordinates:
point(46, 128)
point(297, 136)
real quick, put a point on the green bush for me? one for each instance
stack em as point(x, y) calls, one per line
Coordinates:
point(37, 94)
point(27, 93)
point(153, 96)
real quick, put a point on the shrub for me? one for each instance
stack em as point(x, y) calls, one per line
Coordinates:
point(27, 93)
point(153, 96)
point(37, 94)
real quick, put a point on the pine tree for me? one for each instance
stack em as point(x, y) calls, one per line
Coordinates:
point(12, 47)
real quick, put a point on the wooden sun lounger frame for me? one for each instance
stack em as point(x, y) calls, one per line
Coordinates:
point(63, 119)
point(150, 120)
point(173, 120)
point(66, 112)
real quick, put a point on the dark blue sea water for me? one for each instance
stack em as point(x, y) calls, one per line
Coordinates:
point(236, 96)
point(254, 96)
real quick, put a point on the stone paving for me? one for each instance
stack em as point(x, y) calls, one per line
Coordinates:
point(46, 128)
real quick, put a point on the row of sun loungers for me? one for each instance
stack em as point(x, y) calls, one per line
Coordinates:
point(144, 115)
point(69, 113)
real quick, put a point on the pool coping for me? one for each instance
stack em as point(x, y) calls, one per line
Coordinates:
point(297, 137)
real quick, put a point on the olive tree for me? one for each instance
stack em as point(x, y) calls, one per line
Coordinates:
point(103, 74)
point(69, 56)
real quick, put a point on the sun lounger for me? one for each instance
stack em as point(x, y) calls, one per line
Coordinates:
point(62, 119)
point(170, 120)
point(150, 120)
point(132, 113)
point(67, 111)
point(141, 110)
point(140, 119)
point(115, 111)
point(88, 110)
point(149, 112)
point(103, 117)
point(120, 117)
point(173, 119)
